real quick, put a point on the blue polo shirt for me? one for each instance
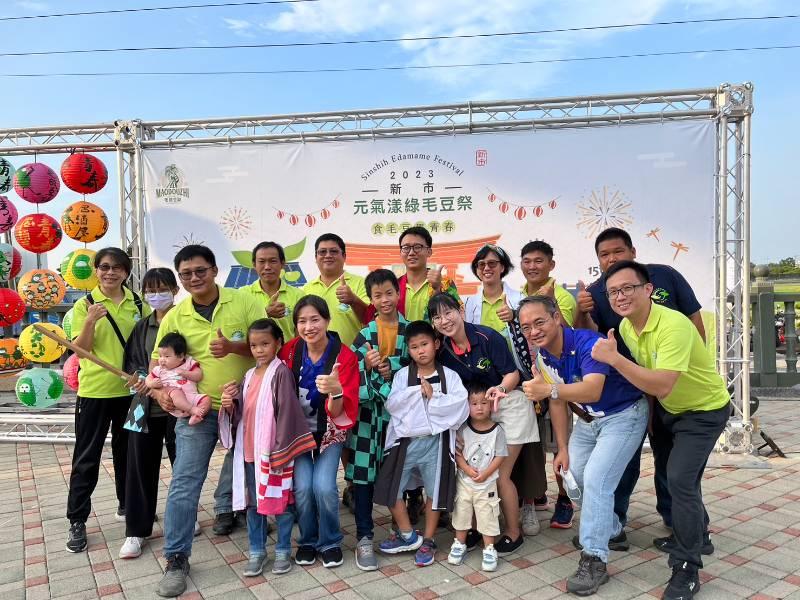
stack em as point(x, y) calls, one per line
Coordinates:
point(670, 289)
point(576, 361)
point(487, 359)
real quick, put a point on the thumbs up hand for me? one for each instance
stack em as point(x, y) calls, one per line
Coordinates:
point(584, 298)
point(372, 359)
point(605, 350)
point(435, 278)
point(329, 384)
point(220, 346)
point(536, 389)
point(343, 292)
point(505, 312)
point(276, 310)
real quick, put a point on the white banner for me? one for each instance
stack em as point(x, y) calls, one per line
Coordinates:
point(563, 186)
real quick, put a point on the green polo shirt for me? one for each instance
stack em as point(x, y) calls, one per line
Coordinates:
point(417, 301)
point(233, 315)
point(489, 314)
point(287, 294)
point(670, 342)
point(566, 301)
point(95, 381)
point(345, 323)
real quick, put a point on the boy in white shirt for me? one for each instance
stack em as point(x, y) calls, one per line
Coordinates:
point(483, 448)
point(427, 405)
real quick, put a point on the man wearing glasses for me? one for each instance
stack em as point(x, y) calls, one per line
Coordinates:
point(612, 420)
point(670, 289)
point(692, 408)
point(344, 292)
point(420, 283)
point(214, 321)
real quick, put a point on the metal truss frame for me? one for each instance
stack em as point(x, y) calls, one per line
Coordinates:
point(730, 106)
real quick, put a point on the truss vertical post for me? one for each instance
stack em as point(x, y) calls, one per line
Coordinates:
point(733, 244)
point(129, 173)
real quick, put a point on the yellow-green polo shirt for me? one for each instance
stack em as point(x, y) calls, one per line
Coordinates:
point(345, 323)
point(233, 315)
point(489, 314)
point(670, 341)
point(95, 381)
point(566, 301)
point(287, 294)
point(417, 301)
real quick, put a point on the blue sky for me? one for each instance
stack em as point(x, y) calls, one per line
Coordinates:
point(28, 102)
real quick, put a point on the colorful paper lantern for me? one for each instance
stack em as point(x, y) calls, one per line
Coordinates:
point(11, 358)
point(84, 221)
point(538, 211)
point(310, 220)
point(38, 233)
point(520, 212)
point(36, 182)
point(504, 207)
point(12, 307)
point(84, 173)
point(41, 288)
point(492, 197)
point(293, 219)
point(324, 213)
point(8, 213)
point(77, 269)
point(39, 388)
point(37, 347)
point(70, 371)
point(552, 204)
point(66, 323)
point(6, 261)
point(16, 263)
point(6, 175)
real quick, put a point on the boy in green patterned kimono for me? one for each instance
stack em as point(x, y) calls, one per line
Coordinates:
point(381, 351)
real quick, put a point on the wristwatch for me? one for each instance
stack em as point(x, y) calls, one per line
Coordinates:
point(554, 391)
point(502, 388)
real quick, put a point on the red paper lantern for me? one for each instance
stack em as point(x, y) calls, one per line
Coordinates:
point(552, 204)
point(520, 212)
point(84, 173)
point(325, 213)
point(12, 307)
point(70, 371)
point(16, 263)
point(36, 182)
point(310, 220)
point(504, 207)
point(492, 197)
point(38, 233)
point(281, 214)
point(293, 219)
point(538, 211)
point(336, 203)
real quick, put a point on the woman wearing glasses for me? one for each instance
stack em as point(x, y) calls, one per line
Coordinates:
point(101, 324)
point(479, 353)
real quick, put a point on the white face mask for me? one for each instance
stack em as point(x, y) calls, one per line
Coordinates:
point(159, 300)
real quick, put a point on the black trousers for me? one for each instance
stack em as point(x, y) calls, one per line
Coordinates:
point(362, 498)
point(529, 474)
point(687, 439)
point(144, 465)
point(93, 416)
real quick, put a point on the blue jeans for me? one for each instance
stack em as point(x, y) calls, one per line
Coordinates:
point(317, 498)
point(193, 448)
point(223, 495)
point(598, 454)
point(257, 523)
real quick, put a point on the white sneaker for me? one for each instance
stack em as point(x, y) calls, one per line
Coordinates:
point(457, 553)
point(132, 548)
point(530, 524)
point(489, 562)
point(197, 529)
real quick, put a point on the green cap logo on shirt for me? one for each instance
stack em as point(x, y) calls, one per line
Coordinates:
point(237, 336)
point(660, 295)
point(484, 364)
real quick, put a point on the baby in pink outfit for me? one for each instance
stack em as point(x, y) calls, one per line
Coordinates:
point(179, 374)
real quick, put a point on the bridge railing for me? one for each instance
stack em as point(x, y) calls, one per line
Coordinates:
point(766, 343)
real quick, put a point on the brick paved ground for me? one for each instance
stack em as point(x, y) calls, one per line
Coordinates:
point(755, 519)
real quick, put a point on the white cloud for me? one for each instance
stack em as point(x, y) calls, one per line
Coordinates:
point(240, 27)
point(350, 19)
point(31, 5)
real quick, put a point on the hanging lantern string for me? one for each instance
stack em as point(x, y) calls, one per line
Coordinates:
point(322, 213)
point(520, 211)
